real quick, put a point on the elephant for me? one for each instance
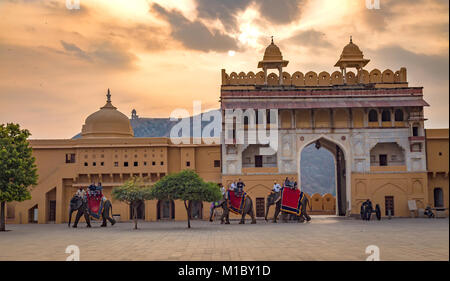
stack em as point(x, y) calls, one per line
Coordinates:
point(80, 205)
point(274, 199)
point(247, 209)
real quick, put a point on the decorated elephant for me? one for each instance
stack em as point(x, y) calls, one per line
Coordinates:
point(246, 209)
point(81, 206)
point(274, 198)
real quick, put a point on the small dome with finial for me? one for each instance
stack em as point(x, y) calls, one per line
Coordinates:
point(272, 54)
point(351, 56)
point(107, 122)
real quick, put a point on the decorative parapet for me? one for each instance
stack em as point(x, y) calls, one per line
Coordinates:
point(311, 78)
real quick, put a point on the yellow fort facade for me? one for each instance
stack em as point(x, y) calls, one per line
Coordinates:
point(371, 121)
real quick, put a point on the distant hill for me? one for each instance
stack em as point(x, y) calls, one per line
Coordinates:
point(153, 127)
point(317, 165)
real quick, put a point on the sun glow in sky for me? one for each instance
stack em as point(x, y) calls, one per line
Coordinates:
point(156, 56)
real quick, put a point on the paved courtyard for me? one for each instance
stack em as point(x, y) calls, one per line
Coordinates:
point(325, 238)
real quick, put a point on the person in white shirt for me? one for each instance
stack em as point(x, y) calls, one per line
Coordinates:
point(222, 189)
point(233, 185)
point(276, 187)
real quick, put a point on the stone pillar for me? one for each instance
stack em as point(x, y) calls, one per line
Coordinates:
point(379, 117)
point(265, 76)
point(344, 74)
point(280, 71)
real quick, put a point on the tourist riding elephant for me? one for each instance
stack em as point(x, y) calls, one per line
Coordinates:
point(225, 218)
point(81, 206)
point(274, 198)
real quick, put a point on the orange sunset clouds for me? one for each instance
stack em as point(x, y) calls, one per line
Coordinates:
point(156, 56)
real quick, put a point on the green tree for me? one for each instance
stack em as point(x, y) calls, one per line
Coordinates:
point(17, 168)
point(187, 186)
point(133, 192)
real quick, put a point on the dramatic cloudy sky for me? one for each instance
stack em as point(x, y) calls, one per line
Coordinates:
point(156, 56)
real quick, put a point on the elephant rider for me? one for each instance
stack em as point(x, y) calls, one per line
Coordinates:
point(294, 185)
point(240, 188)
point(233, 186)
point(287, 183)
point(91, 190)
point(100, 191)
point(81, 193)
point(223, 191)
point(276, 187)
point(276, 191)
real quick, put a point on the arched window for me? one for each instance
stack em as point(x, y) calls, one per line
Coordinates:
point(386, 115)
point(373, 116)
point(399, 115)
point(438, 197)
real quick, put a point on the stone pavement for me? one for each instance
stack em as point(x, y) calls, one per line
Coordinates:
point(325, 238)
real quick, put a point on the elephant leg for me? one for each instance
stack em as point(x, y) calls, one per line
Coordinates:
point(106, 212)
point(87, 218)
point(251, 213)
point(77, 218)
point(227, 216)
point(211, 212)
point(307, 217)
point(300, 219)
point(103, 221)
point(277, 212)
point(242, 218)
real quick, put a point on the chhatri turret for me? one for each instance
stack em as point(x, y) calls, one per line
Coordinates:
point(273, 59)
point(351, 56)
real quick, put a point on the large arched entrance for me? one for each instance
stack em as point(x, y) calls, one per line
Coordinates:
point(318, 167)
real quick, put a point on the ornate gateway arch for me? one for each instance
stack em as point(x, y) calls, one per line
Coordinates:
point(372, 122)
